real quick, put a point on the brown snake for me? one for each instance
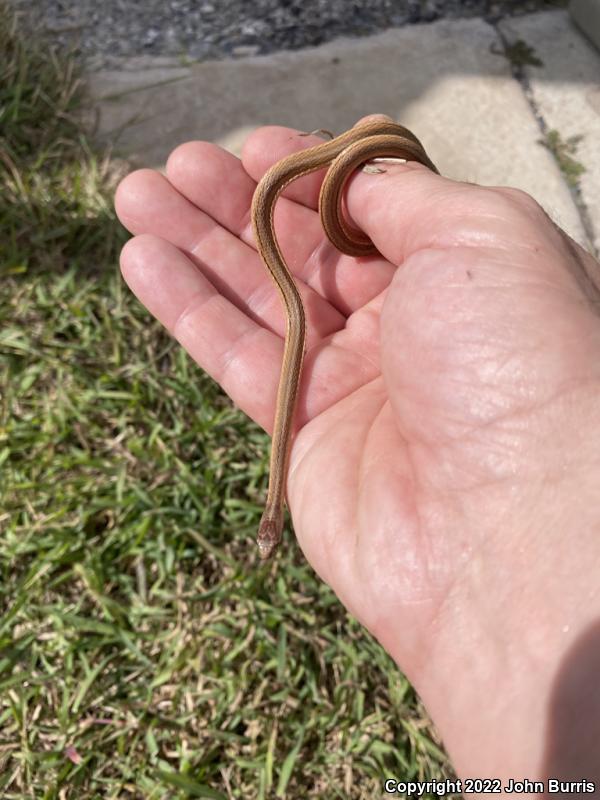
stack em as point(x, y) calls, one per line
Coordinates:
point(367, 140)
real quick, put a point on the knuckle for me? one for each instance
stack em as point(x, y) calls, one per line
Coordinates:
point(520, 201)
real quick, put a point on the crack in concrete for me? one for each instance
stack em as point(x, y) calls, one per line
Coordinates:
point(519, 74)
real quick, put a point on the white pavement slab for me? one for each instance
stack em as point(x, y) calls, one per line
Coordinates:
point(566, 91)
point(442, 80)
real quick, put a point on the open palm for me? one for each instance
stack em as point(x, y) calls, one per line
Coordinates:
point(423, 379)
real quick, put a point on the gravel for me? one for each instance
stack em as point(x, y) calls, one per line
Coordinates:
point(209, 29)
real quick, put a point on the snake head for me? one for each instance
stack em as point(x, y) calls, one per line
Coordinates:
point(269, 534)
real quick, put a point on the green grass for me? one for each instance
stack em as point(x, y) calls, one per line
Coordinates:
point(564, 151)
point(145, 652)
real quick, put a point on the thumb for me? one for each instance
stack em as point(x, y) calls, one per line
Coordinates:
point(486, 320)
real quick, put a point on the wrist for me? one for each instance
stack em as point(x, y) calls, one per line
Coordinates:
point(511, 676)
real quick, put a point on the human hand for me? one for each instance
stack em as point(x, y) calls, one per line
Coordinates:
point(448, 420)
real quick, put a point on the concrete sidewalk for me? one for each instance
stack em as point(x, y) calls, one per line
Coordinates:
point(448, 81)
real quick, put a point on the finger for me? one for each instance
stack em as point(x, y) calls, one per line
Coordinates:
point(267, 145)
point(408, 208)
point(147, 203)
point(236, 351)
